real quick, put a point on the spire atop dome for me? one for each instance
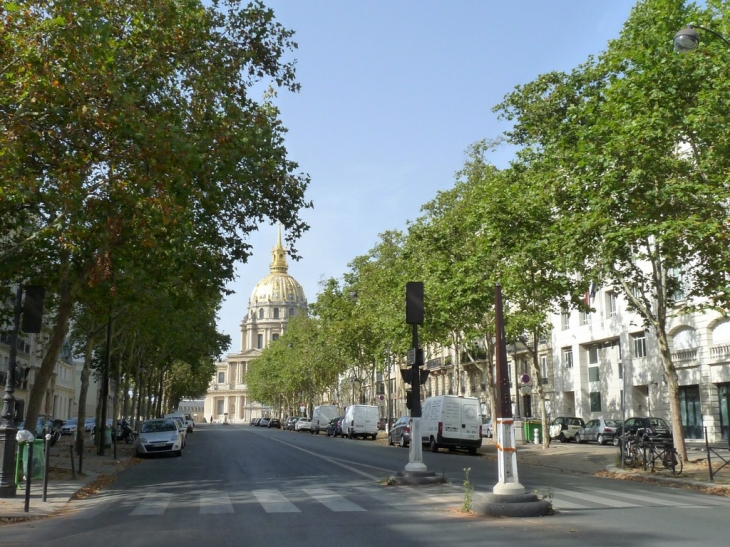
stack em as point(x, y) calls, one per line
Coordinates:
point(278, 255)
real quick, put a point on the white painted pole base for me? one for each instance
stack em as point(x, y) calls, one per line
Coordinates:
point(509, 483)
point(415, 454)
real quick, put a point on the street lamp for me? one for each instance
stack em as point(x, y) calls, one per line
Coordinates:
point(688, 39)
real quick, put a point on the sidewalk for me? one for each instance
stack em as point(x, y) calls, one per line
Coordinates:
point(593, 459)
point(98, 473)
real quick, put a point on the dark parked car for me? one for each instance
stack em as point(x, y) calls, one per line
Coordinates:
point(381, 425)
point(334, 428)
point(657, 427)
point(289, 423)
point(264, 422)
point(400, 433)
point(599, 430)
point(275, 423)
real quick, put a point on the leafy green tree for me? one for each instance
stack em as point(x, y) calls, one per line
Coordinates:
point(636, 143)
point(131, 142)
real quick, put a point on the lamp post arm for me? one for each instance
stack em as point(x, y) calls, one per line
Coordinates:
point(716, 34)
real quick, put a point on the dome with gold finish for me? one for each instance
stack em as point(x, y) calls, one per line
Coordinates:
point(278, 287)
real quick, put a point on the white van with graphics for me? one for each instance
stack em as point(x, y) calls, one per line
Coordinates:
point(321, 417)
point(450, 421)
point(361, 421)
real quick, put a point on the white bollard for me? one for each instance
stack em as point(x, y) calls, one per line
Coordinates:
point(537, 436)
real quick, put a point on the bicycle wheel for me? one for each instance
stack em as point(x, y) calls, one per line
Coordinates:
point(675, 463)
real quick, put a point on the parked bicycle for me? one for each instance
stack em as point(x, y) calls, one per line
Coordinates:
point(666, 454)
point(632, 453)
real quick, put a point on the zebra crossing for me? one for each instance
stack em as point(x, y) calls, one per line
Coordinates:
point(309, 498)
point(590, 499)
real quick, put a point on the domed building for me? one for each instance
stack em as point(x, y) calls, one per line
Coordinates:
point(274, 299)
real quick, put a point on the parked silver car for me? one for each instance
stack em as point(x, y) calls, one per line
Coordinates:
point(599, 430)
point(160, 436)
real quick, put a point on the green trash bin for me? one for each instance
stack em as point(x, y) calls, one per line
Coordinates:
point(527, 431)
point(39, 461)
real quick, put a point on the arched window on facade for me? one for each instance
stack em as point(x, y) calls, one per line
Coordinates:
point(291, 312)
point(261, 313)
point(276, 313)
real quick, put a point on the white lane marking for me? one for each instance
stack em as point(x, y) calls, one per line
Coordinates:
point(690, 500)
point(595, 499)
point(341, 463)
point(215, 503)
point(647, 499)
point(562, 504)
point(154, 503)
point(274, 501)
point(332, 501)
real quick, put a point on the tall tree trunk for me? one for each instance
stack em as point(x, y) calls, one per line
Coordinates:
point(83, 392)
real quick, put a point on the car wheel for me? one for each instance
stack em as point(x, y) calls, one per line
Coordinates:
point(403, 442)
point(350, 435)
point(434, 446)
point(562, 438)
point(578, 439)
point(390, 440)
point(473, 450)
point(616, 440)
point(600, 439)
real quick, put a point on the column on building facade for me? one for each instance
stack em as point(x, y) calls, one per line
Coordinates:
point(238, 413)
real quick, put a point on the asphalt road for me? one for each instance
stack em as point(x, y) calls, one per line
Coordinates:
point(238, 485)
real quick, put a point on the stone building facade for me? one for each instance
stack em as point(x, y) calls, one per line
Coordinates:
point(275, 299)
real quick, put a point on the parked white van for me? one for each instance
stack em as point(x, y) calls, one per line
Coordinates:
point(361, 421)
point(321, 417)
point(450, 421)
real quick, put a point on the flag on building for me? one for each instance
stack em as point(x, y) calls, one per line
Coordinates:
point(590, 293)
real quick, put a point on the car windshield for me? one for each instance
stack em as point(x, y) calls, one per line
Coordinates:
point(158, 426)
point(659, 423)
point(612, 423)
point(575, 421)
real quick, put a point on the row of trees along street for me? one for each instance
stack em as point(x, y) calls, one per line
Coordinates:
point(620, 178)
point(135, 160)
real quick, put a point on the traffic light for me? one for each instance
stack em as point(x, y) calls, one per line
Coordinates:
point(409, 399)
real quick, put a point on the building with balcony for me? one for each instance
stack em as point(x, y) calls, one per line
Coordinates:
point(608, 364)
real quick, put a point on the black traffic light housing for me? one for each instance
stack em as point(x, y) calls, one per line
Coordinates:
point(409, 399)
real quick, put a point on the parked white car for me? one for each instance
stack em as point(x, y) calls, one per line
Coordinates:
point(160, 436)
point(564, 428)
point(303, 424)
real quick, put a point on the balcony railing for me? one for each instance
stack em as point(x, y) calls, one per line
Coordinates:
point(720, 351)
point(684, 356)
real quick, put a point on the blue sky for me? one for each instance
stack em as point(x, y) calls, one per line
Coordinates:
point(392, 95)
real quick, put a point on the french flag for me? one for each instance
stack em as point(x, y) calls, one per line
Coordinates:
point(590, 293)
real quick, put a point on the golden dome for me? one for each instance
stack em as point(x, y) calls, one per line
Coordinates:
point(278, 286)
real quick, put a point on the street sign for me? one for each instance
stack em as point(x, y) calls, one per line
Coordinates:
point(525, 378)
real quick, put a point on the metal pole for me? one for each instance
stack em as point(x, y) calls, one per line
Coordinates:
point(508, 483)
point(8, 428)
point(29, 474)
point(46, 459)
point(73, 467)
point(709, 459)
